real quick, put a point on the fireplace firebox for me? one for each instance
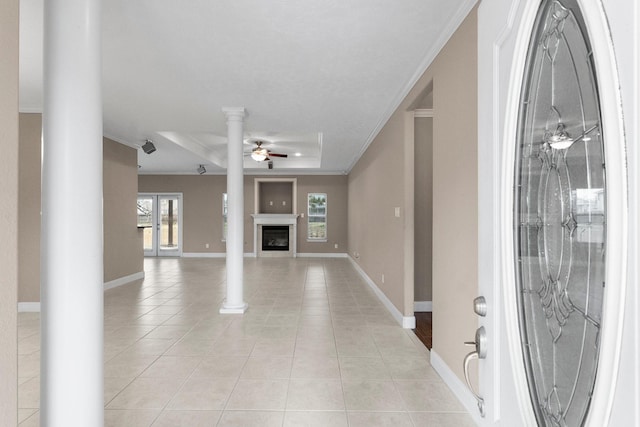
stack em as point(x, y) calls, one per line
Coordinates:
point(275, 237)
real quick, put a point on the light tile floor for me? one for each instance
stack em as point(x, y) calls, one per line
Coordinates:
point(315, 348)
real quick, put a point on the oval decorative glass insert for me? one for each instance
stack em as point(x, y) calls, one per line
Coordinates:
point(560, 216)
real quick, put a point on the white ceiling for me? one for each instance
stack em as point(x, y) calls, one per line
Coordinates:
point(318, 78)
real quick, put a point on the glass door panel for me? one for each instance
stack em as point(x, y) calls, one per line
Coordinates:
point(560, 217)
point(160, 216)
point(169, 225)
point(146, 219)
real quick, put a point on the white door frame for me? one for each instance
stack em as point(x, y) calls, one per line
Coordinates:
point(503, 34)
point(156, 227)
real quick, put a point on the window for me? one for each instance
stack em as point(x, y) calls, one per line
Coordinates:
point(224, 217)
point(317, 217)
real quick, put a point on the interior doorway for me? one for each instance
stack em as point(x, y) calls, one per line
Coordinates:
point(161, 217)
point(423, 202)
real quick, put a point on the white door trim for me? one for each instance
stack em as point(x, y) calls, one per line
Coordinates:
point(156, 249)
point(502, 49)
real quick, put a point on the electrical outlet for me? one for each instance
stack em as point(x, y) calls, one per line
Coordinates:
point(284, 203)
point(397, 212)
point(206, 245)
point(382, 277)
point(335, 246)
point(270, 202)
point(301, 215)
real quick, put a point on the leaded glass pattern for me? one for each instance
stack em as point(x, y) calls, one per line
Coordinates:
point(560, 217)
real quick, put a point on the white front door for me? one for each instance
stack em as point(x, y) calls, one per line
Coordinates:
point(554, 209)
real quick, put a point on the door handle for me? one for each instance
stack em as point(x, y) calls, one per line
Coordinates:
point(479, 353)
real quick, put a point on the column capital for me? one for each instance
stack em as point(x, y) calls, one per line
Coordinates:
point(234, 112)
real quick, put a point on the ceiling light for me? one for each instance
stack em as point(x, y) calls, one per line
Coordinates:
point(148, 147)
point(298, 154)
point(201, 169)
point(259, 154)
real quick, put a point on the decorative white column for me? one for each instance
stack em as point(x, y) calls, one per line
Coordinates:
point(71, 391)
point(234, 303)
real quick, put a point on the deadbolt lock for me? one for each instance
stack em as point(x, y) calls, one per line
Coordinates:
point(480, 306)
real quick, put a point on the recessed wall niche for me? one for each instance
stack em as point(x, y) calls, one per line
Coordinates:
point(275, 195)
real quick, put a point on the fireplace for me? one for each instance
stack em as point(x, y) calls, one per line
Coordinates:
point(275, 238)
point(274, 235)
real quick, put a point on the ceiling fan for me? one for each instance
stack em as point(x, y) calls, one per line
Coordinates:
point(261, 154)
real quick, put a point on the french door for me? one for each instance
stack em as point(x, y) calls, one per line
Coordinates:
point(553, 205)
point(161, 217)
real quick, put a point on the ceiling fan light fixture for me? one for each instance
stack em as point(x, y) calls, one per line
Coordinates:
point(259, 154)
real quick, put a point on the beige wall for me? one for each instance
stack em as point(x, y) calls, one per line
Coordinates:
point(123, 254)
point(29, 207)
point(376, 186)
point(122, 243)
point(423, 207)
point(335, 186)
point(455, 195)
point(275, 197)
point(202, 209)
point(9, 212)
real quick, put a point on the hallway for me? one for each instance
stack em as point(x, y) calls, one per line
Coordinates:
point(315, 348)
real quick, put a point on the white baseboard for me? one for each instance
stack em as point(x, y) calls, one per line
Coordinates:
point(34, 307)
point(321, 255)
point(423, 306)
point(407, 322)
point(252, 255)
point(28, 307)
point(204, 255)
point(459, 389)
point(212, 255)
point(123, 280)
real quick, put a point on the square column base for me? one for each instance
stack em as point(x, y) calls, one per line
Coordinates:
point(225, 309)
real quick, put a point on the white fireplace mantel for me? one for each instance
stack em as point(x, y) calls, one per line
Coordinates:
point(276, 219)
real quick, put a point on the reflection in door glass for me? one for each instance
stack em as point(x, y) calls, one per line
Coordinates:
point(145, 219)
point(560, 217)
point(168, 223)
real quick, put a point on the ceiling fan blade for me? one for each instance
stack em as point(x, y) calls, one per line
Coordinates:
point(278, 155)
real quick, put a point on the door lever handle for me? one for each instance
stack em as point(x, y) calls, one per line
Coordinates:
point(480, 352)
